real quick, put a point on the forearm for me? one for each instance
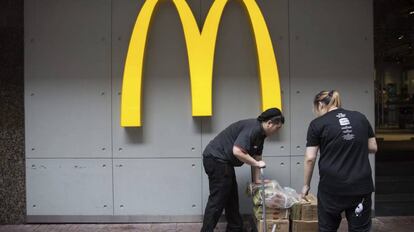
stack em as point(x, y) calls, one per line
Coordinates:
point(308, 170)
point(246, 158)
point(309, 164)
point(256, 171)
point(372, 145)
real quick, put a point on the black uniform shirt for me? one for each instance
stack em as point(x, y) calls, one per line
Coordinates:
point(342, 137)
point(247, 134)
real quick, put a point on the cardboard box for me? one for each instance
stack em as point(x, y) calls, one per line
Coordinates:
point(306, 210)
point(271, 214)
point(296, 212)
point(281, 225)
point(310, 212)
point(304, 226)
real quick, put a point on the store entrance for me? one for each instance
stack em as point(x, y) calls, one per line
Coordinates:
point(394, 106)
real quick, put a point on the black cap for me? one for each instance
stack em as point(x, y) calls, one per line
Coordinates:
point(271, 114)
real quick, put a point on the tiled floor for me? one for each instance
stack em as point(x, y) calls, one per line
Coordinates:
point(380, 224)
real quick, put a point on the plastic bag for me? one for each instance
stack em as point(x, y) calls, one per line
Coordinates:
point(275, 195)
point(282, 199)
point(252, 189)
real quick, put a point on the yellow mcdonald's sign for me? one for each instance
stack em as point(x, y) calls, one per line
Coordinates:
point(200, 49)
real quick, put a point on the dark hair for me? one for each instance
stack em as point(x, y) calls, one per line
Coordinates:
point(272, 114)
point(278, 119)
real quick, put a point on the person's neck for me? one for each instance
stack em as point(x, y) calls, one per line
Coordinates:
point(264, 130)
point(332, 108)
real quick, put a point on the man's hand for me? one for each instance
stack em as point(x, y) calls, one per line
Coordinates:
point(243, 156)
point(260, 164)
point(260, 181)
point(305, 190)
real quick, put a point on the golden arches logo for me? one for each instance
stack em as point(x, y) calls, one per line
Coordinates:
point(200, 50)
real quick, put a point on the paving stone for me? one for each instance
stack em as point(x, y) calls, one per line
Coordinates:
point(189, 227)
point(164, 227)
point(379, 224)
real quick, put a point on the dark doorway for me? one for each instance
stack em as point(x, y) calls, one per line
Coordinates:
point(394, 106)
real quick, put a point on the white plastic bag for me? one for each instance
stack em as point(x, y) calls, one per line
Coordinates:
point(282, 199)
point(276, 197)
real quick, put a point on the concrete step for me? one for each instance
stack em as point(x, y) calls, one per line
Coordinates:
point(396, 197)
point(394, 204)
point(395, 151)
point(394, 181)
point(391, 156)
point(394, 146)
point(394, 184)
point(400, 168)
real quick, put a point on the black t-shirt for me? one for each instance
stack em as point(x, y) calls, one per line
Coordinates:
point(342, 137)
point(246, 134)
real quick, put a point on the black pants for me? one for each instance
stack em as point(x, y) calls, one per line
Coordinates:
point(331, 206)
point(223, 195)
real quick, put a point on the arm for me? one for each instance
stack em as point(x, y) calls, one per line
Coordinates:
point(310, 158)
point(372, 145)
point(256, 171)
point(246, 158)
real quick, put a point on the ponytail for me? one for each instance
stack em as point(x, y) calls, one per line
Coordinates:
point(328, 98)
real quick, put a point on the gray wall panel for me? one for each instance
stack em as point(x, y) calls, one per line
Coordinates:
point(231, 103)
point(69, 186)
point(67, 78)
point(74, 59)
point(168, 128)
point(236, 62)
point(243, 178)
point(157, 186)
point(329, 50)
point(296, 175)
point(276, 14)
point(204, 189)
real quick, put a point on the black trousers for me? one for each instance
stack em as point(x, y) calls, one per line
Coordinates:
point(331, 206)
point(223, 195)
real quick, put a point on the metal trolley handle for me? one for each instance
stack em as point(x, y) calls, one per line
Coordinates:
point(264, 226)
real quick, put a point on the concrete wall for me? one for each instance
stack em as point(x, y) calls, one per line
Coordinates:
point(82, 166)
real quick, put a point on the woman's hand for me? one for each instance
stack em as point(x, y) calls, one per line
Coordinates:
point(305, 190)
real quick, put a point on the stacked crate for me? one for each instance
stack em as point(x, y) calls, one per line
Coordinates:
point(275, 217)
point(281, 225)
point(278, 217)
point(304, 215)
point(301, 217)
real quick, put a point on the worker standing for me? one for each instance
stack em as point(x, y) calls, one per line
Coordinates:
point(241, 142)
point(344, 139)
